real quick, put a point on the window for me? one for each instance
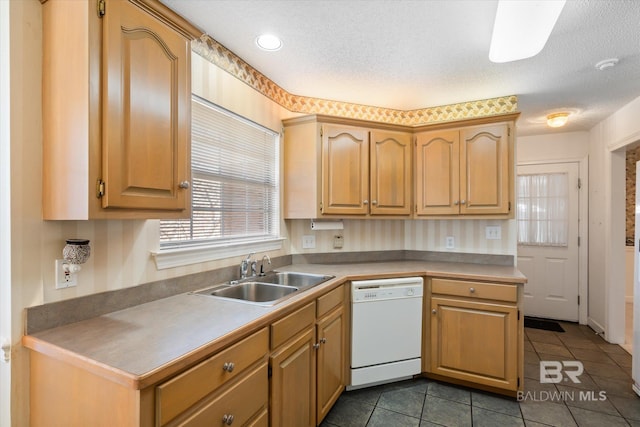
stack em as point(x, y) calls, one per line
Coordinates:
point(235, 177)
point(543, 209)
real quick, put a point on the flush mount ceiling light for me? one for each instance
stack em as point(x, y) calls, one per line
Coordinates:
point(268, 42)
point(557, 120)
point(521, 28)
point(607, 63)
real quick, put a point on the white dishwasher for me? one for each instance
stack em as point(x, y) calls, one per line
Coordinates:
point(386, 333)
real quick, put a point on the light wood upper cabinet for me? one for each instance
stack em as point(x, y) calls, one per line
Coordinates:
point(116, 110)
point(338, 170)
point(390, 177)
point(465, 171)
point(437, 172)
point(345, 170)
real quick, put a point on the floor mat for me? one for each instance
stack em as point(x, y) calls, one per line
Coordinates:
point(547, 325)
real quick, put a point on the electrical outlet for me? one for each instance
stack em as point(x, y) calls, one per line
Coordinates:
point(308, 242)
point(338, 242)
point(64, 279)
point(450, 242)
point(493, 232)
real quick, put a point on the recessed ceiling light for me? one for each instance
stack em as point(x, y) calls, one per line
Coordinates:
point(521, 28)
point(268, 42)
point(557, 120)
point(607, 63)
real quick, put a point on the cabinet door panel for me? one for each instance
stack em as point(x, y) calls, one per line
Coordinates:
point(331, 361)
point(475, 341)
point(390, 183)
point(293, 383)
point(484, 178)
point(345, 170)
point(437, 173)
point(145, 111)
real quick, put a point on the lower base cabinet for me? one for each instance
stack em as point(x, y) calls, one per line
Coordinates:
point(308, 361)
point(476, 333)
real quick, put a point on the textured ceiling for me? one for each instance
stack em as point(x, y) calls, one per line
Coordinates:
point(410, 54)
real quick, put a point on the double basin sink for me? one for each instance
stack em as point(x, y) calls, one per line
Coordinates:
point(267, 290)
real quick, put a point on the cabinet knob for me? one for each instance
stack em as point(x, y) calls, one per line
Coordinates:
point(434, 311)
point(323, 340)
point(456, 202)
point(227, 419)
point(228, 367)
point(365, 202)
point(374, 202)
point(316, 346)
point(462, 202)
point(472, 290)
point(184, 185)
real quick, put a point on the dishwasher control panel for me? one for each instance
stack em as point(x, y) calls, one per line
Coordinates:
point(372, 290)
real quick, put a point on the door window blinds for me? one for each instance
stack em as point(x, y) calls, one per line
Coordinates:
point(543, 209)
point(235, 174)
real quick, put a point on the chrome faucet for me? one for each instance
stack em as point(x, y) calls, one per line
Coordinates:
point(262, 264)
point(245, 264)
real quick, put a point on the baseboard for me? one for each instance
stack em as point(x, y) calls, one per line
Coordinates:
point(598, 328)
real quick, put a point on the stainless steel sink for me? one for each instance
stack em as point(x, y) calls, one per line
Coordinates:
point(251, 291)
point(270, 289)
point(287, 278)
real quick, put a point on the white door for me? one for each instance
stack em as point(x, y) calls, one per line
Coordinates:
point(548, 220)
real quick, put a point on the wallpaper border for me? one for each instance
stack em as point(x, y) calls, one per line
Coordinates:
point(225, 59)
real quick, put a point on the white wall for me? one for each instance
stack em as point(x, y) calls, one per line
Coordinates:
point(553, 147)
point(608, 141)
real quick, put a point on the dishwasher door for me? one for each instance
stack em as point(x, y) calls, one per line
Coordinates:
point(386, 331)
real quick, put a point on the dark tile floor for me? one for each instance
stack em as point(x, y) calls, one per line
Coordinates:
point(423, 402)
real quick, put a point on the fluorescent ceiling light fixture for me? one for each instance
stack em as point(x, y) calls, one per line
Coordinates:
point(522, 28)
point(268, 42)
point(557, 120)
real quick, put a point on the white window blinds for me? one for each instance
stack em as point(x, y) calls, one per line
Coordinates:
point(543, 209)
point(235, 174)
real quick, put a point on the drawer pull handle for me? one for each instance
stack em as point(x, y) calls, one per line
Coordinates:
point(228, 367)
point(323, 340)
point(434, 311)
point(472, 290)
point(227, 419)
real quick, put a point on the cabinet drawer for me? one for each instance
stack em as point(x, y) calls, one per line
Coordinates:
point(290, 325)
point(181, 392)
point(329, 301)
point(244, 400)
point(494, 291)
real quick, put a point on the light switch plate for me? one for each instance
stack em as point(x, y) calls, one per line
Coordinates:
point(308, 242)
point(493, 232)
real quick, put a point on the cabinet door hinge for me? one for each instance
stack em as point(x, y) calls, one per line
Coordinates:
point(102, 7)
point(321, 207)
point(269, 372)
point(509, 207)
point(321, 131)
point(100, 189)
point(518, 314)
point(508, 130)
point(578, 299)
point(578, 240)
point(518, 385)
point(579, 183)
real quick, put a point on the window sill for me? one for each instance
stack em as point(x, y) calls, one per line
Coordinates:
point(178, 257)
